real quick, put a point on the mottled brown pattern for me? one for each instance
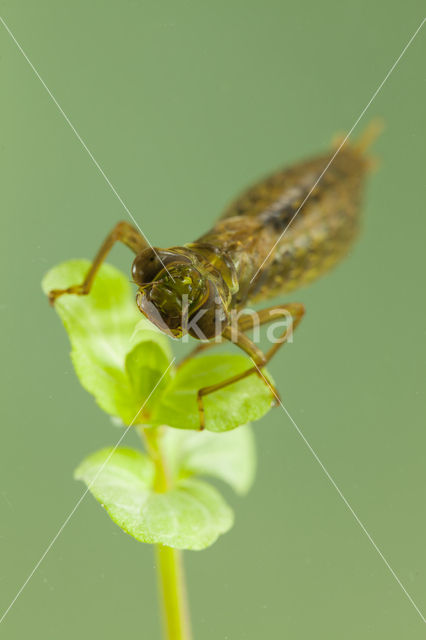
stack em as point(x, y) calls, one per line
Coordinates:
point(316, 239)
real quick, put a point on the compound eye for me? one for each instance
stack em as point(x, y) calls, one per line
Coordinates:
point(146, 266)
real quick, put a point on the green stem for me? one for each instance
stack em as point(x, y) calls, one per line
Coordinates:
point(172, 589)
point(171, 578)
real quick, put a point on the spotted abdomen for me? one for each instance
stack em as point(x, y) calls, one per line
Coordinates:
point(298, 229)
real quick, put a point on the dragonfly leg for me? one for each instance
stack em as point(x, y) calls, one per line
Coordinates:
point(123, 232)
point(294, 311)
point(238, 337)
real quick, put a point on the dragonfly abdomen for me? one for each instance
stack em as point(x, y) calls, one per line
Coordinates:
point(293, 226)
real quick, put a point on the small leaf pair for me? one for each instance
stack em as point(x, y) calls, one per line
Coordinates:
point(192, 514)
point(120, 357)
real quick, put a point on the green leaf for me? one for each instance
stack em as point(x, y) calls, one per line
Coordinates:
point(190, 516)
point(118, 355)
point(225, 409)
point(228, 456)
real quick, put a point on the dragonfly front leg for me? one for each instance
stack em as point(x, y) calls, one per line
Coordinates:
point(236, 335)
point(123, 232)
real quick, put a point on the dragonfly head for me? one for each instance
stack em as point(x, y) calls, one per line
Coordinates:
point(179, 294)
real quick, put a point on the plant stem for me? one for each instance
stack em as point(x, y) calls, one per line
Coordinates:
point(172, 588)
point(170, 572)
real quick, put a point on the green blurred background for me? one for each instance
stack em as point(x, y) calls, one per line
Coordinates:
point(183, 104)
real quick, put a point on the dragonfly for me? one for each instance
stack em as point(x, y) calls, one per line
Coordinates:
point(282, 233)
